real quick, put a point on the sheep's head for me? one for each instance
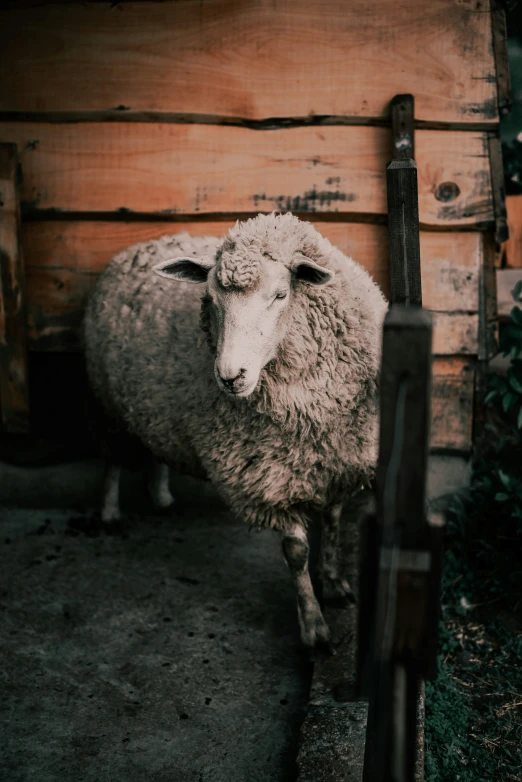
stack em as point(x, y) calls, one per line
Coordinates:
point(248, 300)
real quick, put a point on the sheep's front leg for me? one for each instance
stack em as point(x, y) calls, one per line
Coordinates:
point(314, 630)
point(159, 486)
point(111, 493)
point(335, 587)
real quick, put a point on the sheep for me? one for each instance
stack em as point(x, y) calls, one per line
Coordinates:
point(267, 384)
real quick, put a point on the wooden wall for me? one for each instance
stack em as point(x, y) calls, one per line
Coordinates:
point(141, 119)
point(512, 249)
point(511, 258)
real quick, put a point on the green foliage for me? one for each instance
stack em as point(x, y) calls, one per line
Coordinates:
point(474, 708)
point(508, 390)
point(505, 476)
point(447, 728)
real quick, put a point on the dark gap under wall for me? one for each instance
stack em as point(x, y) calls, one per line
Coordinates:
point(58, 394)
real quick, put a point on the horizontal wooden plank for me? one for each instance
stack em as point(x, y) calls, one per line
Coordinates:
point(187, 169)
point(455, 333)
point(63, 260)
point(450, 270)
point(252, 59)
point(452, 403)
point(450, 261)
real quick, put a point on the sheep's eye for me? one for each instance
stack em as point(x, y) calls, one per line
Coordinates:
point(281, 295)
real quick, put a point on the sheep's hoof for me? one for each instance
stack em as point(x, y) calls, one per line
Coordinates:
point(164, 501)
point(315, 634)
point(162, 498)
point(110, 513)
point(320, 651)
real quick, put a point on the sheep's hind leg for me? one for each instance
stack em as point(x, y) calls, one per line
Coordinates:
point(159, 486)
point(335, 587)
point(314, 630)
point(111, 493)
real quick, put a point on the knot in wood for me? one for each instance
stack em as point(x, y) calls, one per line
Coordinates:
point(447, 191)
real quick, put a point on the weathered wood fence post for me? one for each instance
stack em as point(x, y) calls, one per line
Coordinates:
point(14, 394)
point(400, 556)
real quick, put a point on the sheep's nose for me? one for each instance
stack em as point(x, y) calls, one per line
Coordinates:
point(229, 382)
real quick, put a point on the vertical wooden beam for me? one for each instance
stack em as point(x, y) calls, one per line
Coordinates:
point(404, 584)
point(405, 378)
point(401, 563)
point(403, 128)
point(488, 331)
point(14, 395)
point(403, 231)
point(498, 188)
point(500, 52)
point(488, 310)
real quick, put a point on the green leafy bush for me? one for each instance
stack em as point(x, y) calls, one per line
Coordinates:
point(501, 476)
point(474, 707)
point(508, 390)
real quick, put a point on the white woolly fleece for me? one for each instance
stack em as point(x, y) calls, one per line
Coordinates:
point(308, 435)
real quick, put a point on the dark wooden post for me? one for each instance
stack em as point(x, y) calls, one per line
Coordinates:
point(405, 379)
point(403, 126)
point(405, 562)
point(403, 232)
point(14, 396)
point(401, 561)
point(500, 50)
point(403, 206)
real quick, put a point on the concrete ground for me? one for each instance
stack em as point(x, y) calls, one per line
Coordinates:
point(162, 649)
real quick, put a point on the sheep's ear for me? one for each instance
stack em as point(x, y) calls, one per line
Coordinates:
point(186, 269)
point(310, 272)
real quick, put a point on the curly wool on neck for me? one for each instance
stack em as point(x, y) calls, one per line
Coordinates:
point(319, 368)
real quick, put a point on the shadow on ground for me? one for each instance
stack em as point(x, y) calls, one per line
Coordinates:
point(162, 649)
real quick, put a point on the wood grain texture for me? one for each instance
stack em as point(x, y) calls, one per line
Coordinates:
point(404, 396)
point(402, 110)
point(63, 260)
point(252, 59)
point(403, 232)
point(498, 188)
point(455, 333)
point(452, 403)
point(14, 393)
point(400, 487)
point(187, 169)
point(488, 311)
point(500, 52)
point(512, 248)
